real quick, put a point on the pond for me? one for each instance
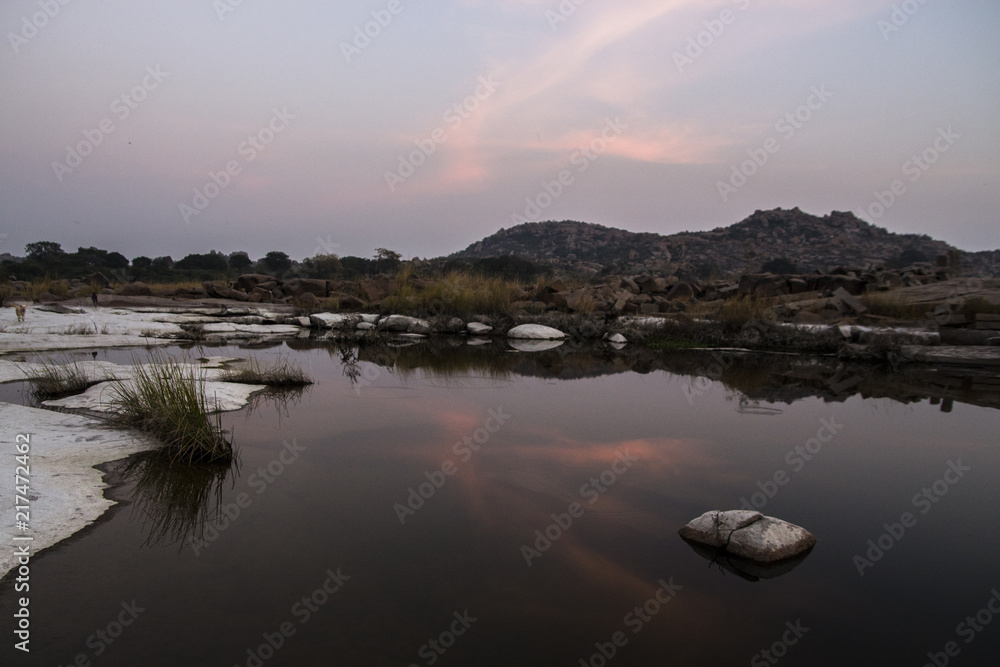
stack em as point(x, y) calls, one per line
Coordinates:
point(484, 507)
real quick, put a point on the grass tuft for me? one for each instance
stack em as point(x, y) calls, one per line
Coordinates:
point(282, 373)
point(58, 381)
point(168, 402)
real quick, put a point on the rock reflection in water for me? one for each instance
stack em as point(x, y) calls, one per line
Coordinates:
point(746, 569)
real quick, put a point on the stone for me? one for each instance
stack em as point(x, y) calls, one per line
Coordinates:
point(478, 329)
point(97, 279)
point(618, 339)
point(535, 332)
point(849, 300)
point(681, 292)
point(806, 317)
point(630, 285)
point(421, 327)
point(365, 326)
point(248, 281)
point(332, 320)
point(750, 535)
point(305, 300)
point(217, 289)
point(377, 288)
point(299, 286)
point(351, 303)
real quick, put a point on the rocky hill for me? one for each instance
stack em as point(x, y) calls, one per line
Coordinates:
point(800, 242)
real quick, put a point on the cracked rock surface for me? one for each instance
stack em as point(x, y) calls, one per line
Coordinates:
point(749, 535)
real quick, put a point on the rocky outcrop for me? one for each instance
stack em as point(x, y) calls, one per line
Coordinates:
point(749, 535)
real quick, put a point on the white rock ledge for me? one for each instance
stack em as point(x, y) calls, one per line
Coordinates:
point(66, 490)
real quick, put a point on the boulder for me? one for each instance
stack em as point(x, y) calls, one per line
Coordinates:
point(478, 329)
point(97, 279)
point(402, 324)
point(535, 332)
point(681, 292)
point(304, 300)
point(618, 339)
point(135, 289)
point(300, 286)
point(749, 535)
point(629, 284)
point(238, 295)
point(377, 288)
point(217, 289)
point(332, 320)
point(421, 327)
point(351, 303)
point(248, 281)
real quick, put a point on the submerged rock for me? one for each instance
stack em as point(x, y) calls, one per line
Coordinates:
point(535, 332)
point(749, 535)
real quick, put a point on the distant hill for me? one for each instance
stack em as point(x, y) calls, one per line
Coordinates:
point(780, 240)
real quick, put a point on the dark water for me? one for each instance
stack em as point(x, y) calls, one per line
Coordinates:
point(322, 475)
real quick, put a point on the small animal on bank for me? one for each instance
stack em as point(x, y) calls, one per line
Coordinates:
point(93, 297)
point(19, 311)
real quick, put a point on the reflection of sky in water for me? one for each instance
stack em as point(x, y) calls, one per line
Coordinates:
point(462, 549)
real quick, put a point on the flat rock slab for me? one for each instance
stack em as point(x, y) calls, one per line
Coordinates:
point(749, 535)
point(333, 320)
point(535, 332)
point(66, 493)
point(218, 396)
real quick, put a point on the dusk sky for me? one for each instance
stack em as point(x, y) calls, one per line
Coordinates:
point(178, 126)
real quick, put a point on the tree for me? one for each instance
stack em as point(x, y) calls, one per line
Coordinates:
point(116, 261)
point(240, 261)
point(141, 263)
point(162, 264)
point(277, 261)
point(211, 261)
point(386, 260)
point(322, 266)
point(43, 250)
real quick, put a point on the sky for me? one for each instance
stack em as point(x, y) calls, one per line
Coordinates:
point(169, 127)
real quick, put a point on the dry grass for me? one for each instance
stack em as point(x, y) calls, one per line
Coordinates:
point(457, 293)
point(742, 310)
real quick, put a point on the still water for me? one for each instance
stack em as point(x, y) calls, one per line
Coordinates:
point(515, 509)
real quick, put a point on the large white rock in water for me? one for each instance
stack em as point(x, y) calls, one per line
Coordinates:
point(749, 535)
point(535, 332)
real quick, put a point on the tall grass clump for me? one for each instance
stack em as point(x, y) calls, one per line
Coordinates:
point(456, 293)
point(168, 402)
point(58, 380)
point(281, 373)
